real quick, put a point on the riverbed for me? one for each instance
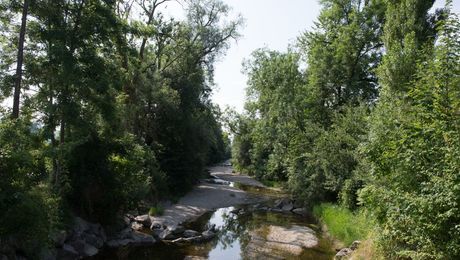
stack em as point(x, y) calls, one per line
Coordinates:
point(252, 229)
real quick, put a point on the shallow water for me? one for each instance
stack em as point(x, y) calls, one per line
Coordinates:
point(237, 226)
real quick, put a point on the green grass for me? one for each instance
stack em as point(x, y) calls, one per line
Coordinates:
point(343, 224)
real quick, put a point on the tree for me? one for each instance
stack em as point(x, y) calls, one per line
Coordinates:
point(17, 86)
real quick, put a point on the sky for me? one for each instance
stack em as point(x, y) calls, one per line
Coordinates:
point(273, 24)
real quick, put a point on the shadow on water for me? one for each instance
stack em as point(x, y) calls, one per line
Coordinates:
point(237, 227)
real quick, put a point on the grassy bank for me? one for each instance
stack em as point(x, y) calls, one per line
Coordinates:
point(347, 226)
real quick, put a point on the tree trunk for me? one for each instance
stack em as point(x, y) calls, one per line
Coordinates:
point(17, 85)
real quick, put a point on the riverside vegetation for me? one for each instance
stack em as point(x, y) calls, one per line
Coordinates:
point(364, 111)
point(111, 111)
point(111, 107)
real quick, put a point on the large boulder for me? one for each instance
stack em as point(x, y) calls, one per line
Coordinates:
point(277, 241)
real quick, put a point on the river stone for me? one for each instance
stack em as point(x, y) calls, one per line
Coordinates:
point(167, 235)
point(83, 248)
point(69, 249)
point(144, 220)
point(136, 226)
point(94, 240)
point(287, 207)
point(301, 211)
point(279, 204)
point(177, 230)
point(208, 234)
point(343, 253)
point(277, 241)
point(59, 237)
point(80, 225)
point(118, 243)
point(142, 239)
point(191, 233)
point(355, 245)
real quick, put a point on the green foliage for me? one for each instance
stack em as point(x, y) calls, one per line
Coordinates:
point(115, 108)
point(30, 210)
point(414, 190)
point(343, 224)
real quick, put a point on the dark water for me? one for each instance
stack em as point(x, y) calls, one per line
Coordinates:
point(236, 225)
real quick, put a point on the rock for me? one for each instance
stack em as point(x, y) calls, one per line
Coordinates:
point(83, 248)
point(191, 257)
point(355, 245)
point(136, 226)
point(80, 225)
point(167, 235)
point(59, 238)
point(126, 220)
point(157, 225)
point(212, 228)
point(191, 233)
point(3, 257)
point(67, 252)
point(94, 240)
point(178, 230)
point(279, 204)
point(300, 211)
point(90, 250)
point(144, 220)
point(118, 243)
point(287, 207)
point(69, 248)
point(207, 235)
point(125, 233)
point(343, 253)
point(278, 242)
point(297, 204)
point(275, 210)
point(142, 239)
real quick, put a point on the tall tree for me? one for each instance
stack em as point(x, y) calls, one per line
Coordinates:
point(17, 85)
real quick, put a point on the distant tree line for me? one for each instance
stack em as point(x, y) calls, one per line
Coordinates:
point(111, 106)
point(364, 110)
